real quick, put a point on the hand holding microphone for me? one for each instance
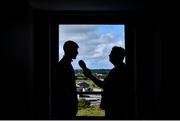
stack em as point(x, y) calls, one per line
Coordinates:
point(82, 64)
point(86, 71)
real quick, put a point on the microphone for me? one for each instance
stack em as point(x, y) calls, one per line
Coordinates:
point(82, 64)
point(86, 71)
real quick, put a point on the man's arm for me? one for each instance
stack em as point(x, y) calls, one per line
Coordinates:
point(87, 73)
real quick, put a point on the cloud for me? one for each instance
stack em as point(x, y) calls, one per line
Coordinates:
point(103, 49)
point(99, 51)
point(78, 28)
point(95, 42)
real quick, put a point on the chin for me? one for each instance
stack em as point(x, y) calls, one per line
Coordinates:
point(110, 60)
point(74, 57)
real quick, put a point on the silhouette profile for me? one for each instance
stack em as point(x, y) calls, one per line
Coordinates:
point(66, 102)
point(116, 95)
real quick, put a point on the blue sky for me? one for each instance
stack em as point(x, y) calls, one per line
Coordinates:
point(95, 43)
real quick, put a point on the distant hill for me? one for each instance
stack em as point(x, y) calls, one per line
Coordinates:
point(102, 71)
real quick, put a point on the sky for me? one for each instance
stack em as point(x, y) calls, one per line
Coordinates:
point(95, 43)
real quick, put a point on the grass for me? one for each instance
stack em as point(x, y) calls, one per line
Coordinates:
point(91, 111)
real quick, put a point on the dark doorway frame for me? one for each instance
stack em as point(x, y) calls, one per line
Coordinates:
point(48, 22)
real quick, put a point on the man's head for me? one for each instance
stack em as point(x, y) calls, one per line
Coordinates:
point(117, 55)
point(71, 49)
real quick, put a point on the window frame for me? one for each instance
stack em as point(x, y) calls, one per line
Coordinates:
point(83, 18)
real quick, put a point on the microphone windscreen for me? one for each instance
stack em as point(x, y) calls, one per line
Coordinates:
point(82, 64)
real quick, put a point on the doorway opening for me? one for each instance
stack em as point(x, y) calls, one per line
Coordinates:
point(95, 43)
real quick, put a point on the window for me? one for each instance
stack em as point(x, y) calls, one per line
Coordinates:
point(95, 43)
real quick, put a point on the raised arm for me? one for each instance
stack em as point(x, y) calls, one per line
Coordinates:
point(87, 73)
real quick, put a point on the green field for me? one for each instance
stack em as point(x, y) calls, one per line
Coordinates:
point(84, 108)
point(91, 111)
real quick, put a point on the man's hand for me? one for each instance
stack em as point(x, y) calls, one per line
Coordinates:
point(87, 72)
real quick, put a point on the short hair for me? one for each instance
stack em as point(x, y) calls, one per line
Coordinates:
point(119, 52)
point(69, 45)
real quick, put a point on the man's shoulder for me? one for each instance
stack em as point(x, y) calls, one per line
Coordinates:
point(122, 66)
point(61, 64)
point(119, 69)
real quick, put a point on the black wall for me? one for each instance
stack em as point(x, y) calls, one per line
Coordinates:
point(16, 48)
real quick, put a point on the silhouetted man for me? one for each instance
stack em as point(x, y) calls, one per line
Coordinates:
point(66, 102)
point(116, 96)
